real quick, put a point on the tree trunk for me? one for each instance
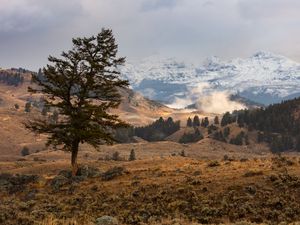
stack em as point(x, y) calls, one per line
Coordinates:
point(74, 149)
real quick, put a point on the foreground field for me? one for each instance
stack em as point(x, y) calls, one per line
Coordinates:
point(155, 189)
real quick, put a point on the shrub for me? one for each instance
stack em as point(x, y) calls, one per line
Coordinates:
point(213, 163)
point(25, 151)
point(182, 153)
point(116, 156)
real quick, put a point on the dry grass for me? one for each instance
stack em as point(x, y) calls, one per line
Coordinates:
point(161, 191)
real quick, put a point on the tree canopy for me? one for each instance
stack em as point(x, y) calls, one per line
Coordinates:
point(81, 85)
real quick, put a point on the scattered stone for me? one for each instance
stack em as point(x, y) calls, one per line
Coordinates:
point(252, 173)
point(197, 173)
point(213, 164)
point(251, 190)
point(106, 220)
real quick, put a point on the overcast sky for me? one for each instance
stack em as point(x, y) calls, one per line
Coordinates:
point(30, 30)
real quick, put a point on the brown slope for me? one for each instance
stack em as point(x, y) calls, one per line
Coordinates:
point(135, 109)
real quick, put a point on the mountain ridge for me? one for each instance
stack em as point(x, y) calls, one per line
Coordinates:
point(264, 77)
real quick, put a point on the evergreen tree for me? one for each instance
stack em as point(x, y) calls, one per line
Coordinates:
point(211, 128)
point(240, 120)
point(196, 121)
point(82, 86)
point(45, 110)
point(247, 140)
point(225, 119)
point(158, 130)
point(216, 120)
point(218, 135)
point(191, 137)
point(54, 117)
point(17, 106)
point(260, 137)
point(132, 155)
point(297, 146)
point(206, 122)
point(116, 156)
point(25, 151)
point(226, 132)
point(238, 140)
point(189, 122)
point(27, 107)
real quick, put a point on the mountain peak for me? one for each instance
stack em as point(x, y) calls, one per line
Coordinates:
point(265, 55)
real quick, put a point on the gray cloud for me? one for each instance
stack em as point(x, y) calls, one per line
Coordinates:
point(158, 4)
point(192, 30)
point(270, 9)
point(28, 15)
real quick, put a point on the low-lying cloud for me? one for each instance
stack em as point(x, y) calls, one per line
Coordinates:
point(218, 102)
point(207, 100)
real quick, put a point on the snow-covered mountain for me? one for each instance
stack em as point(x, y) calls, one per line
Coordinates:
point(264, 77)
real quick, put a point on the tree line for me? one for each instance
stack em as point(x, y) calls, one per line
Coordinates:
point(278, 124)
point(158, 130)
point(12, 79)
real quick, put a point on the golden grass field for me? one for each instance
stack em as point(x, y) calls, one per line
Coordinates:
point(159, 190)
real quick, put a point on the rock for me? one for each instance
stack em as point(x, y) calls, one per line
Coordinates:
point(106, 220)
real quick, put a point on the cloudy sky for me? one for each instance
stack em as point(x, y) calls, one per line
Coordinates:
point(30, 30)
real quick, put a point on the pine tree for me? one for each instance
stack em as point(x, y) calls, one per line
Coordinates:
point(132, 155)
point(189, 122)
point(25, 151)
point(27, 107)
point(206, 122)
point(45, 110)
point(226, 132)
point(226, 119)
point(82, 86)
point(196, 121)
point(116, 156)
point(216, 120)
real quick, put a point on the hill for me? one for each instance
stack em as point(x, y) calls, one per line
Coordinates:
point(135, 109)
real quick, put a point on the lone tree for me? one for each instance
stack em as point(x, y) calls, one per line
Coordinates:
point(81, 85)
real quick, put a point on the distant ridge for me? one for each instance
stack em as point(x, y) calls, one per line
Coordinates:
point(264, 77)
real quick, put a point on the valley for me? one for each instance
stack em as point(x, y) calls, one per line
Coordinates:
point(222, 175)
